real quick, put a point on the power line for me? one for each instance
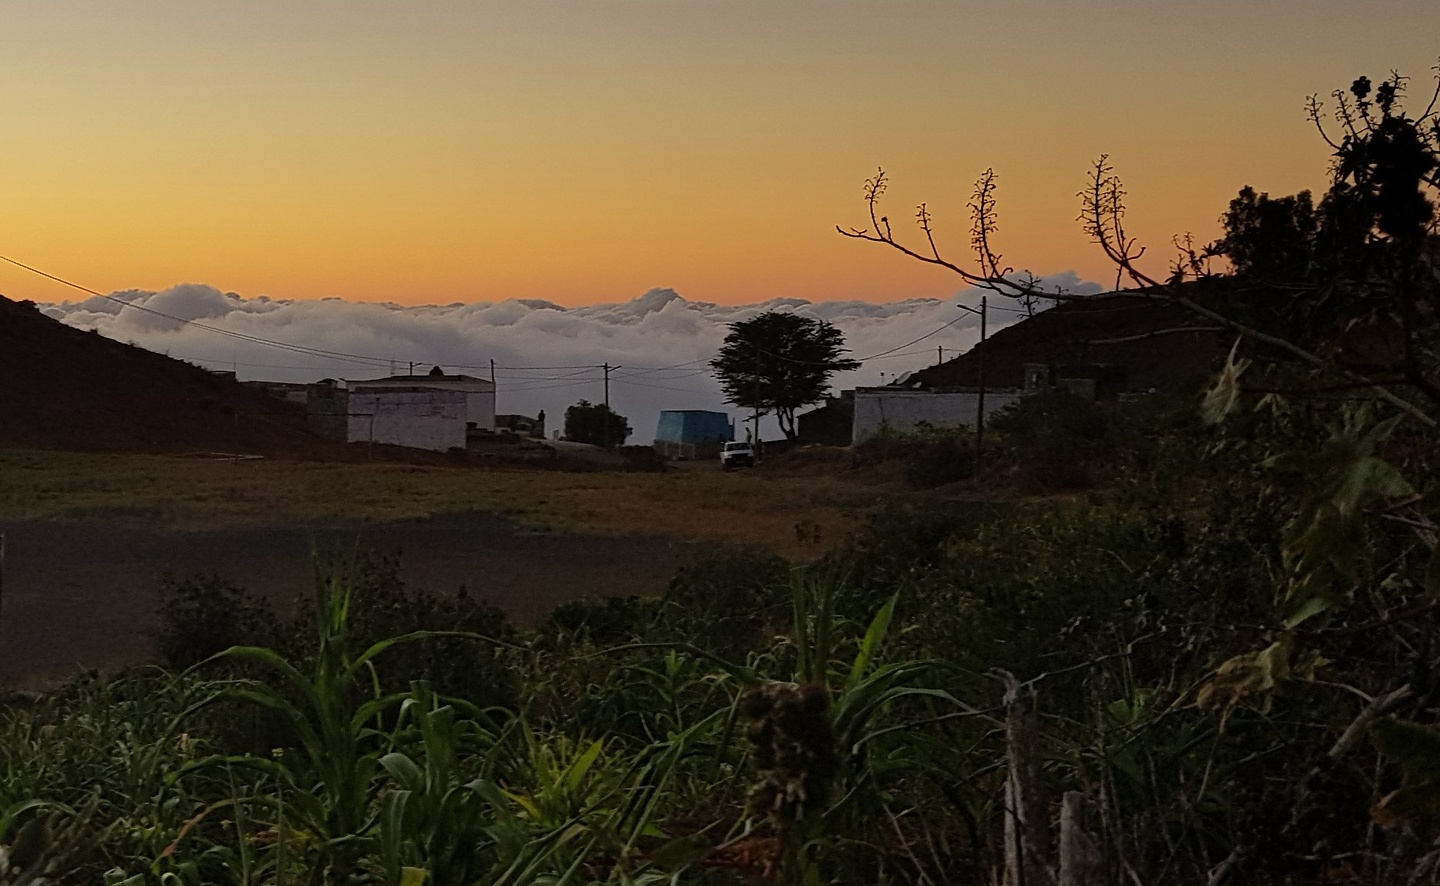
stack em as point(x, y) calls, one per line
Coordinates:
point(916, 341)
point(642, 384)
point(361, 359)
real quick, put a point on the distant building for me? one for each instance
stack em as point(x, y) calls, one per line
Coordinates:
point(692, 433)
point(522, 424)
point(418, 417)
point(479, 392)
point(905, 409)
point(1088, 381)
point(420, 411)
point(293, 392)
point(829, 424)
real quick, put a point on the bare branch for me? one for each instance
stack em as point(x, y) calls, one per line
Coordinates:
point(1434, 96)
point(1378, 708)
point(1313, 108)
point(1102, 216)
point(1153, 334)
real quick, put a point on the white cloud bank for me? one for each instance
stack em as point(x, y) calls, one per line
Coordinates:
point(546, 356)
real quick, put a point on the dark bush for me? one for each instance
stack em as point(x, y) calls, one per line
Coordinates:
point(932, 456)
point(724, 600)
point(642, 458)
point(938, 456)
point(204, 614)
point(1058, 440)
point(603, 621)
point(383, 606)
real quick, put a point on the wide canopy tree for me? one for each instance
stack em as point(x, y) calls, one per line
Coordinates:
point(780, 362)
point(596, 424)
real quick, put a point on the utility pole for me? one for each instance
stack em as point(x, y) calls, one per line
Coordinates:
point(979, 377)
point(605, 430)
point(939, 354)
point(492, 370)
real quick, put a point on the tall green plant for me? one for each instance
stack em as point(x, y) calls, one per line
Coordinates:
point(342, 725)
point(826, 750)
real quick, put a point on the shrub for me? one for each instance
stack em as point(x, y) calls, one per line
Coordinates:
point(383, 606)
point(932, 456)
point(642, 458)
point(603, 621)
point(724, 599)
point(201, 615)
point(1058, 440)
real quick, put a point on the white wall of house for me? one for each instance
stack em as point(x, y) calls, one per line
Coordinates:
point(422, 419)
point(479, 392)
point(904, 410)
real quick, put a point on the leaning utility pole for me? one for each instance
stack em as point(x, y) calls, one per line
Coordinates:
point(979, 377)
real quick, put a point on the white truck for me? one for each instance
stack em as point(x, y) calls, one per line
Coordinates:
point(736, 455)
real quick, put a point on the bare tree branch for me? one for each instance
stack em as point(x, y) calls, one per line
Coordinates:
point(1152, 334)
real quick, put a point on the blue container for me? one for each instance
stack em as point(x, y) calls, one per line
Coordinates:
point(694, 426)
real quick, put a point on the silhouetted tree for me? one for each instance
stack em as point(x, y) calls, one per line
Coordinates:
point(1357, 274)
point(1270, 239)
point(595, 423)
point(1366, 257)
point(780, 362)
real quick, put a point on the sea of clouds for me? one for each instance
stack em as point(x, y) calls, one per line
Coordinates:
point(546, 356)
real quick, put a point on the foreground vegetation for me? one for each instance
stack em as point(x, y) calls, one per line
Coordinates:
point(856, 720)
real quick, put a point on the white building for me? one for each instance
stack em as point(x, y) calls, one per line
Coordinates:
point(479, 392)
point(421, 411)
point(904, 409)
point(416, 417)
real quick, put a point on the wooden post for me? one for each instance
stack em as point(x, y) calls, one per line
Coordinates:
point(1079, 854)
point(1027, 825)
point(980, 377)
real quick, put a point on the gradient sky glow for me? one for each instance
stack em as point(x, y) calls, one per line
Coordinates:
point(588, 150)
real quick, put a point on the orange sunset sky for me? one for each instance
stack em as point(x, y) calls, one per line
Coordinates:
point(424, 152)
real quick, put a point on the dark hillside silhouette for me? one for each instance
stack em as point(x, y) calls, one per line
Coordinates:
point(65, 388)
point(1126, 330)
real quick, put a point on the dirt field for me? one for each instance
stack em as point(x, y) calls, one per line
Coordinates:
point(81, 595)
point(90, 534)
